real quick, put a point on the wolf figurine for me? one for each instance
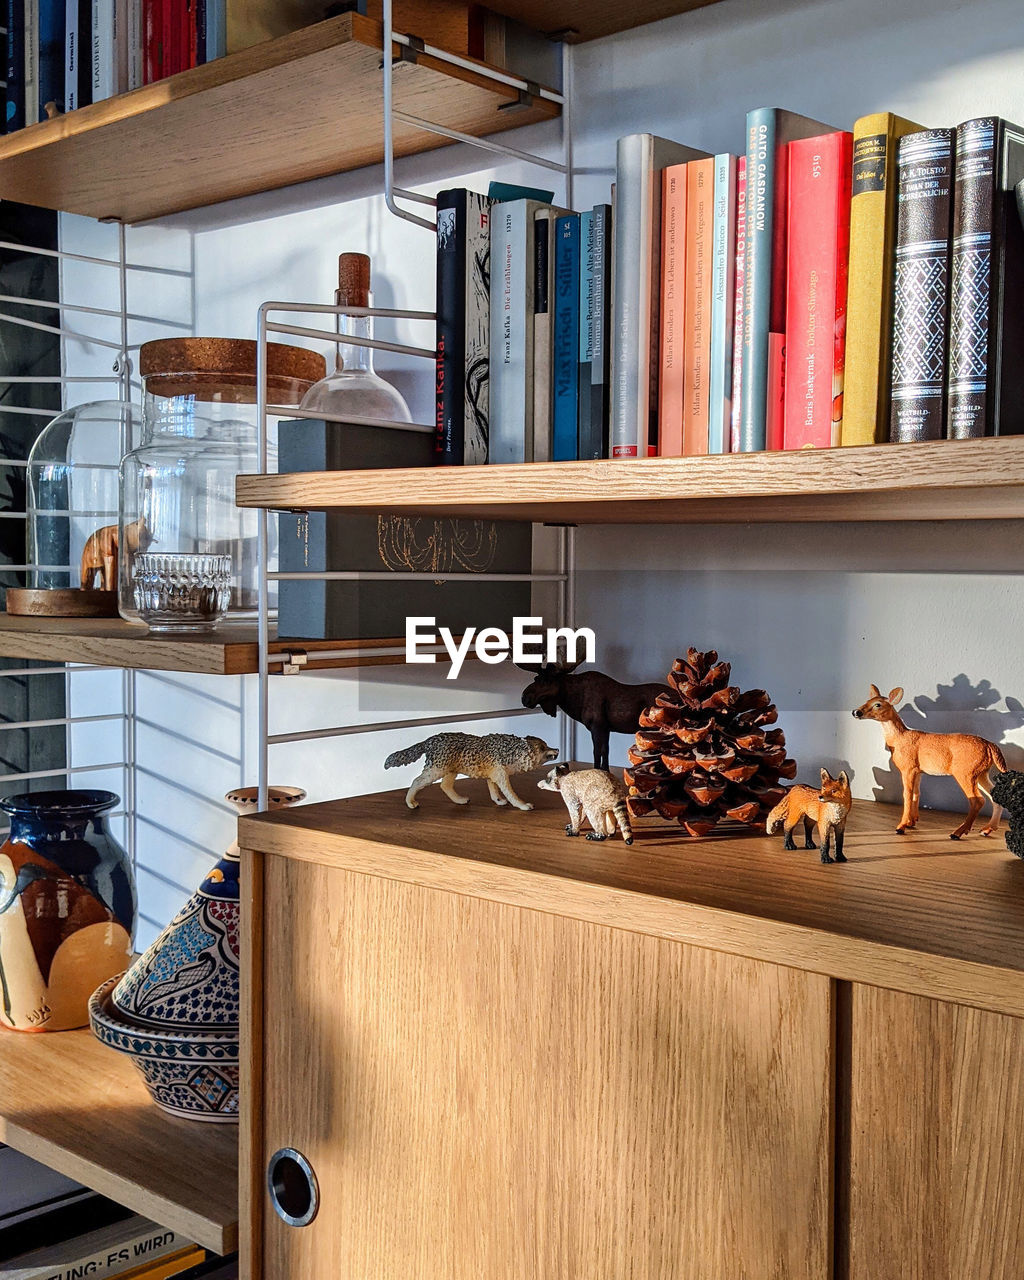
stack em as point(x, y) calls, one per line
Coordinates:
point(495, 756)
point(595, 794)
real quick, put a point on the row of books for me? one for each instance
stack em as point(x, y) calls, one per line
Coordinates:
point(523, 294)
point(53, 1229)
point(65, 54)
point(827, 287)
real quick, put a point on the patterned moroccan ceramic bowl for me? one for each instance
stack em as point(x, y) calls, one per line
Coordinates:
point(188, 1072)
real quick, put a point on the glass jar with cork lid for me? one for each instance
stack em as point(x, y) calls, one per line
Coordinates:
point(187, 553)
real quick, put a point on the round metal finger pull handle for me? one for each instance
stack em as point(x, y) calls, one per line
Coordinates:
point(293, 1188)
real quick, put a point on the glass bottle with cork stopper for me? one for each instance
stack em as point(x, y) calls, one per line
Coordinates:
point(353, 390)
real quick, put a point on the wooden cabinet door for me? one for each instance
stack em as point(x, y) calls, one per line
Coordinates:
point(936, 1169)
point(487, 1092)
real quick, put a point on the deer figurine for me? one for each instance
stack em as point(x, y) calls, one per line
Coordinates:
point(601, 704)
point(962, 756)
point(99, 555)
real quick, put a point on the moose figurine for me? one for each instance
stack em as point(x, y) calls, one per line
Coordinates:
point(963, 756)
point(601, 704)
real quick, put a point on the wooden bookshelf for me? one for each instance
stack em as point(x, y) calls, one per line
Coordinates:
point(945, 480)
point(915, 913)
point(588, 19)
point(81, 1108)
point(231, 650)
point(304, 106)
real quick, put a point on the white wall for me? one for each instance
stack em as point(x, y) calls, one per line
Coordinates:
point(812, 613)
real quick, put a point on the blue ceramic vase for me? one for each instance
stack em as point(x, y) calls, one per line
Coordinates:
point(67, 908)
point(176, 1010)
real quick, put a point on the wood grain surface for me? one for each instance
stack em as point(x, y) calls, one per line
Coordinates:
point(939, 480)
point(303, 106)
point(231, 650)
point(485, 1091)
point(918, 912)
point(937, 1141)
point(590, 19)
point(81, 1108)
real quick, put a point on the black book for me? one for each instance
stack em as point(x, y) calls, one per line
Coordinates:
point(985, 386)
point(15, 65)
point(323, 541)
point(463, 327)
point(921, 300)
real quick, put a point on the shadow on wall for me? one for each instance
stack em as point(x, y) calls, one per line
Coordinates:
point(960, 707)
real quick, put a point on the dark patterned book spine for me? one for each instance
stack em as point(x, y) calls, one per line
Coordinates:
point(449, 428)
point(967, 388)
point(921, 298)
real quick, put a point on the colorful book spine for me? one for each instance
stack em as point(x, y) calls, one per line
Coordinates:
point(985, 391)
point(873, 211)
point(53, 23)
point(543, 291)
point(511, 368)
point(921, 296)
point(77, 54)
point(586, 330)
point(768, 131)
point(595, 443)
point(104, 50)
point(673, 311)
point(700, 187)
point(723, 305)
point(565, 321)
point(775, 412)
point(737, 332)
point(152, 41)
point(31, 42)
point(639, 160)
point(15, 91)
point(820, 171)
point(216, 29)
point(463, 327)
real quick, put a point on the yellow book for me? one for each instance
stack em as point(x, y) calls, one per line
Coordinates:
point(869, 303)
point(172, 1264)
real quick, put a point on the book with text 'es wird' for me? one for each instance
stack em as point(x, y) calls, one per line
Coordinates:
point(769, 129)
point(640, 159)
point(819, 241)
point(985, 384)
point(120, 1249)
point(874, 199)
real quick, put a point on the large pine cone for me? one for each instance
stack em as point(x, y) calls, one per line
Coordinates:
point(702, 753)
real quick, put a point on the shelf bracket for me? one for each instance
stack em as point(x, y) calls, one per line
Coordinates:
point(524, 97)
point(294, 661)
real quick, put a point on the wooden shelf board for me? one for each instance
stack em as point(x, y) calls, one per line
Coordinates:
point(590, 19)
point(231, 650)
point(918, 913)
point(944, 480)
point(82, 1109)
point(304, 106)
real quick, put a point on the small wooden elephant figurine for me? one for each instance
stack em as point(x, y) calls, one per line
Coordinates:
point(963, 756)
point(99, 555)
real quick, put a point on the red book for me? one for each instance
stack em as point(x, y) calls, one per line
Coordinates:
point(775, 420)
point(741, 275)
point(673, 297)
point(820, 176)
point(169, 37)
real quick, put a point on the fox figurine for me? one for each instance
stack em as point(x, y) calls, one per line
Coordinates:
point(826, 807)
point(495, 756)
point(594, 794)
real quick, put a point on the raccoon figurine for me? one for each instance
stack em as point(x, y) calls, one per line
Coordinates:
point(594, 793)
point(495, 756)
